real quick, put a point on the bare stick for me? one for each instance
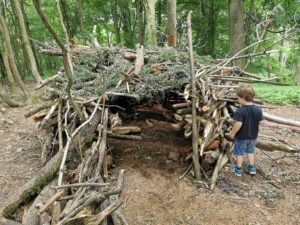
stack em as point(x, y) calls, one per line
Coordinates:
point(82, 185)
point(194, 113)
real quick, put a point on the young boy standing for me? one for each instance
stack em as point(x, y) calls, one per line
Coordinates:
point(245, 129)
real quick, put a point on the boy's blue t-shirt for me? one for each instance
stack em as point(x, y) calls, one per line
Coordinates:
point(250, 116)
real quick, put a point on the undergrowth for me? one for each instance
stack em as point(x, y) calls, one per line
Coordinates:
point(278, 95)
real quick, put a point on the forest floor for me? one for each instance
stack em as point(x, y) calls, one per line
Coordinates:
point(153, 193)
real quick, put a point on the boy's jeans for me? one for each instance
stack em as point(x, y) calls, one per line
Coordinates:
point(242, 146)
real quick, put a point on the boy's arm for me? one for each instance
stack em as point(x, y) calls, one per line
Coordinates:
point(236, 127)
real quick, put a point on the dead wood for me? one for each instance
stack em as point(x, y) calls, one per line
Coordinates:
point(125, 129)
point(40, 108)
point(139, 62)
point(216, 171)
point(4, 221)
point(51, 201)
point(115, 198)
point(56, 210)
point(124, 137)
point(281, 120)
point(32, 187)
point(45, 219)
point(97, 219)
point(82, 185)
point(32, 217)
point(194, 113)
point(275, 146)
point(46, 148)
point(131, 56)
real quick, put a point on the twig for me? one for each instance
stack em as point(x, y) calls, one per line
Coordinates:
point(82, 185)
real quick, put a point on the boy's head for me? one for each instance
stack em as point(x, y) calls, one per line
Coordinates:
point(245, 94)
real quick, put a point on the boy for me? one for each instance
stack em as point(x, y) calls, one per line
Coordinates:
point(245, 130)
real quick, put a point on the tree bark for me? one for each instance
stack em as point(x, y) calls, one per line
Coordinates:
point(6, 38)
point(80, 15)
point(151, 23)
point(172, 23)
point(194, 112)
point(140, 17)
point(8, 71)
point(236, 29)
point(297, 72)
point(25, 39)
point(116, 20)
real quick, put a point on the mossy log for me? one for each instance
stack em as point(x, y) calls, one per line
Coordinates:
point(46, 174)
point(31, 188)
point(10, 102)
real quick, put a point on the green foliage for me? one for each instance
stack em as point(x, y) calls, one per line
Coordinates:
point(270, 67)
point(279, 95)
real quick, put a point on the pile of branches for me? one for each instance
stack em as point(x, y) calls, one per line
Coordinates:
point(216, 102)
point(76, 149)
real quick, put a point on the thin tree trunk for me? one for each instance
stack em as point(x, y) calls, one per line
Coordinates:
point(297, 72)
point(116, 20)
point(8, 71)
point(25, 39)
point(151, 23)
point(128, 23)
point(284, 43)
point(172, 23)
point(194, 113)
point(6, 38)
point(140, 17)
point(236, 29)
point(65, 49)
point(80, 15)
point(160, 36)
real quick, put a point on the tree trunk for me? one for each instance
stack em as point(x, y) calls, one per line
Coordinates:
point(140, 17)
point(297, 72)
point(236, 29)
point(127, 17)
point(25, 39)
point(172, 23)
point(80, 15)
point(284, 43)
point(116, 20)
point(8, 71)
point(151, 23)
point(160, 35)
point(250, 22)
point(6, 38)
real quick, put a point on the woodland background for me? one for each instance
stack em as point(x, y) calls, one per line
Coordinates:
point(220, 29)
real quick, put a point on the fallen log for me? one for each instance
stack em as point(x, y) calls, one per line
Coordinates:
point(275, 146)
point(281, 120)
point(268, 145)
point(33, 187)
point(4, 221)
point(32, 217)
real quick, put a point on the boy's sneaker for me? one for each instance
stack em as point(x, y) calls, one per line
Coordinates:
point(236, 170)
point(252, 169)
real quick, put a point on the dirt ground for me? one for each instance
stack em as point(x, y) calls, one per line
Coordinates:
point(153, 193)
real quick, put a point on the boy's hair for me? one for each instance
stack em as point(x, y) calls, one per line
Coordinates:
point(246, 92)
